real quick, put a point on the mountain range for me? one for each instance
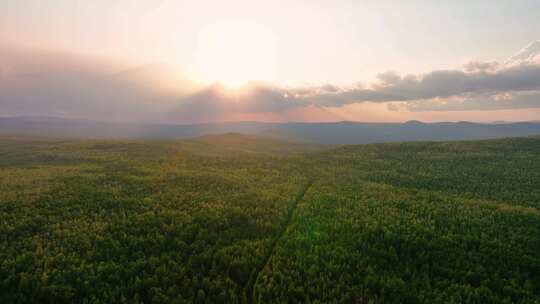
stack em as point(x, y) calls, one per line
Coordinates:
point(320, 133)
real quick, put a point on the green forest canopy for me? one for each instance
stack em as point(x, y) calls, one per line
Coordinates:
point(241, 219)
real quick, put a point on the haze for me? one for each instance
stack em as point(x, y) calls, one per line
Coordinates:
point(209, 61)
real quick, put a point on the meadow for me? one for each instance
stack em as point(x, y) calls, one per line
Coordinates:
point(242, 219)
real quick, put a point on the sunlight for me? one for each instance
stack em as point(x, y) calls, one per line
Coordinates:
point(234, 54)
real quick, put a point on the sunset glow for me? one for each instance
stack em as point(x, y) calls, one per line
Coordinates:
point(377, 61)
point(234, 54)
point(269, 151)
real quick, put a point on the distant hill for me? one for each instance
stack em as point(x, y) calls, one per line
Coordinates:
point(356, 133)
point(318, 133)
point(241, 143)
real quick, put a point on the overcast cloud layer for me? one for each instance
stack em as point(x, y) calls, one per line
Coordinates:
point(53, 84)
point(478, 85)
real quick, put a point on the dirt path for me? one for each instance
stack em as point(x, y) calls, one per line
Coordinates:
point(249, 289)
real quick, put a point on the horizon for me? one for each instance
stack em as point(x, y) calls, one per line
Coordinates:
point(342, 61)
point(45, 117)
point(270, 151)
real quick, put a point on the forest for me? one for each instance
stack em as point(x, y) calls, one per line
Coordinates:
point(243, 219)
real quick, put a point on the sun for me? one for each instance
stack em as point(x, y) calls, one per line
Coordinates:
point(234, 54)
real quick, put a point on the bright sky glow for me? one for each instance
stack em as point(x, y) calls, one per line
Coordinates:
point(234, 54)
point(345, 59)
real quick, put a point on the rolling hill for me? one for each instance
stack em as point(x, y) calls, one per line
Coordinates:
point(316, 133)
point(243, 219)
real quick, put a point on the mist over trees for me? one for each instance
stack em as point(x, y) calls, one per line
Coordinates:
point(319, 133)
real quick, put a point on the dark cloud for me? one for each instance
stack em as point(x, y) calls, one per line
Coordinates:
point(481, 78)
point(213, 102)
point(54, 84)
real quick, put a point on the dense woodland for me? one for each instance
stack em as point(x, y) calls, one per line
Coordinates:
point(239, 219)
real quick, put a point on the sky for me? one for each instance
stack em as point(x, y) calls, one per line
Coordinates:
point(198, 61)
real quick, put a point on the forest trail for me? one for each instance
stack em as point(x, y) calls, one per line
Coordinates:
point(249, 289)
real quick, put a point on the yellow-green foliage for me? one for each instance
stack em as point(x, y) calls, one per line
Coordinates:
point(236, 219)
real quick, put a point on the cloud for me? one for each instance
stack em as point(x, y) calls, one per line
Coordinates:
point(57, 84)
point(472, 102)
point(437, 84)
point(528, 55)
point(216, 102)
point(50, 83)
point(476, 66)
point(472, 87)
